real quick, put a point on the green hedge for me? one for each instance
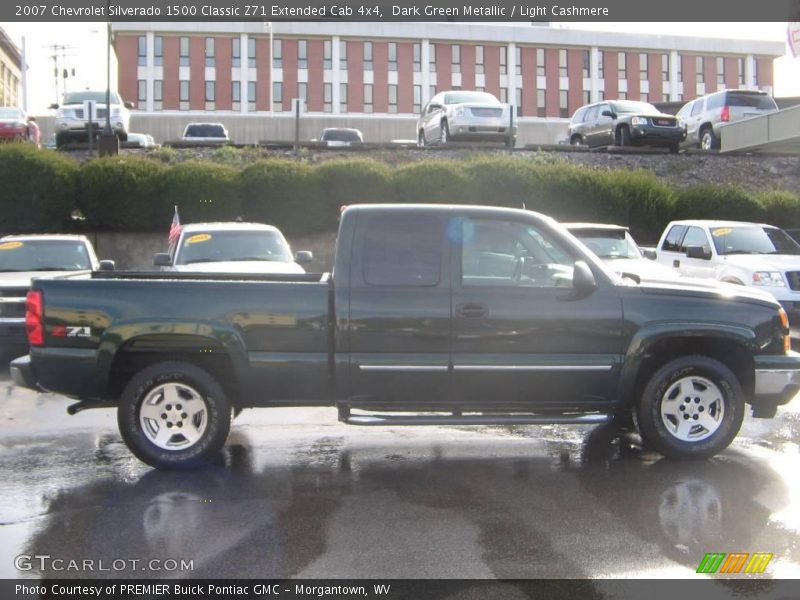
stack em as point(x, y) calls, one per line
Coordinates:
point(40, 188)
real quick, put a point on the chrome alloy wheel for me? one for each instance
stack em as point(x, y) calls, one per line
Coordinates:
point(173, 416)
point(692, 408)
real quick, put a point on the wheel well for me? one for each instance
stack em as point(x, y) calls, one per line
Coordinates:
point(576, 136)
point(732, 354)
point(143, 351)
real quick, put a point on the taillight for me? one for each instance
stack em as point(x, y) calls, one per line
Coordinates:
point(34, 317)
point(726, 113)
point(787, 336)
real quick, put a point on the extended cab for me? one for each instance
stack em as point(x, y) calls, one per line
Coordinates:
point(434, 314)
point(23, 257)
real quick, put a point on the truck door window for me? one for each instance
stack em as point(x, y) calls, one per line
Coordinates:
point(403, 250)
point(502, 253)
point(672, 243)
point(695, 236)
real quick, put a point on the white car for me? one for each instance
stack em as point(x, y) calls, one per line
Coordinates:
point(465, 116)
point(232, 248)
point(23, 257)
point(205, 133)
point(751, 254)
point(72, 124)
point(614, 245)
point(341, 136)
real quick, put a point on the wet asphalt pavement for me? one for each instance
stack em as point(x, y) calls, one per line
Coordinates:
point(296, 494)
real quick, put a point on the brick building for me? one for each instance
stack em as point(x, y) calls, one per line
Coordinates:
point(395, 68)
point(10, 71)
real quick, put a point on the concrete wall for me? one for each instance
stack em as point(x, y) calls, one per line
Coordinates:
point(775, 132)
point(251, 129)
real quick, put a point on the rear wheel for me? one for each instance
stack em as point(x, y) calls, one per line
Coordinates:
point(708, 141)
point(691, 408)
point(174, 415)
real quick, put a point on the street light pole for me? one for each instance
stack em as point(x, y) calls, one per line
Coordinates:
point(109, 144)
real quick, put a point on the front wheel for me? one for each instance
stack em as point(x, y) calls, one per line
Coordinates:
point(174, 415)
point(421, 141)
point(445, 135)
point(691, 408)
point(624, 136)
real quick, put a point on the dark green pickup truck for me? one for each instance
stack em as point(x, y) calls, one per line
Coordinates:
point(433, 315)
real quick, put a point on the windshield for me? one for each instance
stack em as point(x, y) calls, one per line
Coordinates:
point(608, 243)
point(44, 255)
point(11, 113)
point(340, 135)
point(759, 101)
point(462, 97)
point(81, 97)
point(753, 240)
point(635, 108)
point(218, 246)
point(207, 131)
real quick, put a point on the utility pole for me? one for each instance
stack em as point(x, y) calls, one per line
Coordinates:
point(62, 49)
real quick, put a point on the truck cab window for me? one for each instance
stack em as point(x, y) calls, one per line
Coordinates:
point(403, 250)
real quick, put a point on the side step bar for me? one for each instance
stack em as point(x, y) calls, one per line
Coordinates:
point(371, 420)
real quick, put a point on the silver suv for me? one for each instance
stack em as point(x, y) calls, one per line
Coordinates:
point(706, 117)
point(465, 116)
point(72, 124)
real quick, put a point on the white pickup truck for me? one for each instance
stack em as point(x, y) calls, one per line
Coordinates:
point(23, 257)
point(751, 254)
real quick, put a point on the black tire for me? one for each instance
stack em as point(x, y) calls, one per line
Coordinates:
point(729, 409)
point(576, 140)
point(445, 135)
point(60, 140)
point(511, 142)
point(674, 148)
point(624, 136)
point(216, 416)
point(708, 140)
point(421, 141)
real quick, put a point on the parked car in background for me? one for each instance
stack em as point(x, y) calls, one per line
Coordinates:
point(706, 117)
point(341, 136)
point(72, 124)
point(23, 257)
point(205, 132)
point(625, 123)
point(465, 116)
point(232, 248)
point(16, 126)
point(750, 254)
point(615, 246)
point(141, 140)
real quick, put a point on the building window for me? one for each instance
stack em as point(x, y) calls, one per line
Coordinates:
point(679, 68)
point(740, 70)
point(392, 98)
point(562, 63)
point(302, 54)
point(416, 50)
point(432, 57)
point(665, 97)
point(601, 95)
point(210, 91)
point(622, 95)
point(518, 60)
point(277, 96)
point(600, 70)
point(158, 51)
point(210, 57)
point(540, 103)
point(236, 93)
point(277, 54)
point(644, 97)
point(503, 60)
point(720, 70)
point(158, 94)
point(587, 97)
point(327, 97)
point(643, 66)
point(540, 62)
point(302, 91)
point(587, 60)
point(478, 60)
point(368, 56)
point(432, 91)
point(184, 52)
point(183, 94)
point(665, 67)
point(142, 51)
point(327, 51)
point(699, 66)
point(504, 95)
point(417, 98)
point(393, 56)
point(367, 97)
point(622, 65)
point(755, 71)
point(563, 111)
point(342, 97)
point(518, 97)
point(251, 52)
point(236, 52)
point(251, 96)
point(455, 58)
point(142, 94)
point(342, 55)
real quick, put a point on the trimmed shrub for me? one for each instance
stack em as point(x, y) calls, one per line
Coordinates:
point(285, 194)
point(122, 194)
point(353, 182)
point(38, 189)
point(202, 191)
point(717, 202)
point(781, 208)
point(435, 181)
point(501, 181)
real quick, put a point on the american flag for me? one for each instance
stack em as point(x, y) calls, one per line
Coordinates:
point(175, 228)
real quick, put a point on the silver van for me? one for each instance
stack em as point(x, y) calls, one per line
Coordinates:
point(706, 117)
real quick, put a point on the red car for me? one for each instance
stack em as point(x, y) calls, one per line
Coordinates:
point(16, 126)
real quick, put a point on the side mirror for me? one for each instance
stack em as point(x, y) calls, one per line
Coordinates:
point(434, 106)
point(303, 257)
point(649, 254)
point(53, 107)
point(608, 113)
point(127, 104)
point(32, 119)
point(108, 265)
point(700, 252)
point(162, 259)
point(583, 282)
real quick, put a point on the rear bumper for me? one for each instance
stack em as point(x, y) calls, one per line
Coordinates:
point(22, 373)
point(71, 372)
point(777, 379)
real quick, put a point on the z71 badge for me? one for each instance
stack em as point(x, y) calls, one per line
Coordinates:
point(69, 331)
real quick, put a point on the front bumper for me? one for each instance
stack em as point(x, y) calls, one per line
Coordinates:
point(13, 332)
point(487, 128)
point(777, 381)
point(650, 134)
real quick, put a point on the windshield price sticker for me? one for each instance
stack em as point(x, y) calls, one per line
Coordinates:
point(10, 245)
point(200, 237)
point(722, 231)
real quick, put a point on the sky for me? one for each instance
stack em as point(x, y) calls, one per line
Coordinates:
point(86, 52)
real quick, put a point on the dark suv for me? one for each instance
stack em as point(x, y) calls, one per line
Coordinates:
point(625, 123)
